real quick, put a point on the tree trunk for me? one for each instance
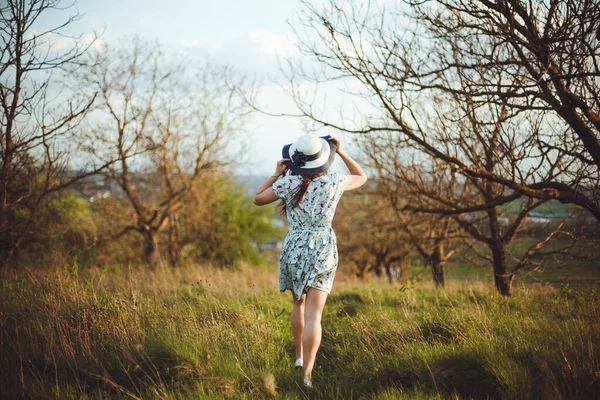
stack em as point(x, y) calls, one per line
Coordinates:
point(388, 271)
point(437, 267)
point(174, 243)
point(174, 255)
point(377, 269)
point(502, 280)
point(377, 265)
point(151, 254)
point(361, 271)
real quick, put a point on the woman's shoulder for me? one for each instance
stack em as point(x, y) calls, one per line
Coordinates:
point(336, 182)
point(334, 177)
point(287, 181)
point(285, 184)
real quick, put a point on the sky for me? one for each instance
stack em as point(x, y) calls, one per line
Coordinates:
point(247, 35)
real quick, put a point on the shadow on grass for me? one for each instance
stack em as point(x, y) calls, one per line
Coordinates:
point(434, 332)
point(155, 364)
point(466, 375)
point(462, 374)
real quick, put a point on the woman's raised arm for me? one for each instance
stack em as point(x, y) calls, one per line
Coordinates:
point(357, 175)
point(265, 194)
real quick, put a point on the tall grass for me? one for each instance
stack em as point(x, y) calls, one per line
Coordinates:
point(204, 333)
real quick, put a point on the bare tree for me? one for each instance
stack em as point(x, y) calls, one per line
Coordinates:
point(401, 182)
point(529, 57)
point(378, 235)
point(166, 123)
point(488, 139)
point(368, 237)
point(434, 237)
point(544, 56)
point(35, 119)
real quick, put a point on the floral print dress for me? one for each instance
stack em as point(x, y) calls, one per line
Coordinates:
point(309, 256)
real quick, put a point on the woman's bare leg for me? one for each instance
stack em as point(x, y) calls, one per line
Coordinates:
point(311, 340)
point(297, 320)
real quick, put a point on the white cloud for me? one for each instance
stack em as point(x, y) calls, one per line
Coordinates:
point(190, 43)
point(271, 43)
point(213, 47)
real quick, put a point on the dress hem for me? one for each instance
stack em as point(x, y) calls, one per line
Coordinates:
point(305, 292)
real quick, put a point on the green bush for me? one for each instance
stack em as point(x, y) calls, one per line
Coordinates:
point(58, 231)
point(235, 228)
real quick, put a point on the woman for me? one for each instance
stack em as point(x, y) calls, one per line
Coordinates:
point(309, 257)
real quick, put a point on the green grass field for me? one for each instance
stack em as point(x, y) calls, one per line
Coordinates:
point(552, 206)
point(204, 333)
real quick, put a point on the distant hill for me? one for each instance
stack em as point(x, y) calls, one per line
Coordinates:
point(251, 182)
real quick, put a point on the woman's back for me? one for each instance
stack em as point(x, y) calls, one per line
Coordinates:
point(317, 207)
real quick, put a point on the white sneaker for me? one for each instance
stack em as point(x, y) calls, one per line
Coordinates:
point(298, 363)
point(307, 384)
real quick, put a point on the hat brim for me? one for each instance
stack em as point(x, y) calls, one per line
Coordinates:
point(310, 168)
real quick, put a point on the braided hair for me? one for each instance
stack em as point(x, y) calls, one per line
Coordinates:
point(299, 192)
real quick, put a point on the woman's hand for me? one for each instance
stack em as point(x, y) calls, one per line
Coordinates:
point(338, 145)
point(265, 194)
point(281, 167)
point(357, 176)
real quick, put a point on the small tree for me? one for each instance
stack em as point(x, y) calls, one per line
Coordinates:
point(488, 140)
point(167, 125)
point(34, 122)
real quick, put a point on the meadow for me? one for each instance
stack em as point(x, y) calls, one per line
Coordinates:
point(199, 332)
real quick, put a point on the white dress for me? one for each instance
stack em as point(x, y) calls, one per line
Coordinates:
point(309, 256)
